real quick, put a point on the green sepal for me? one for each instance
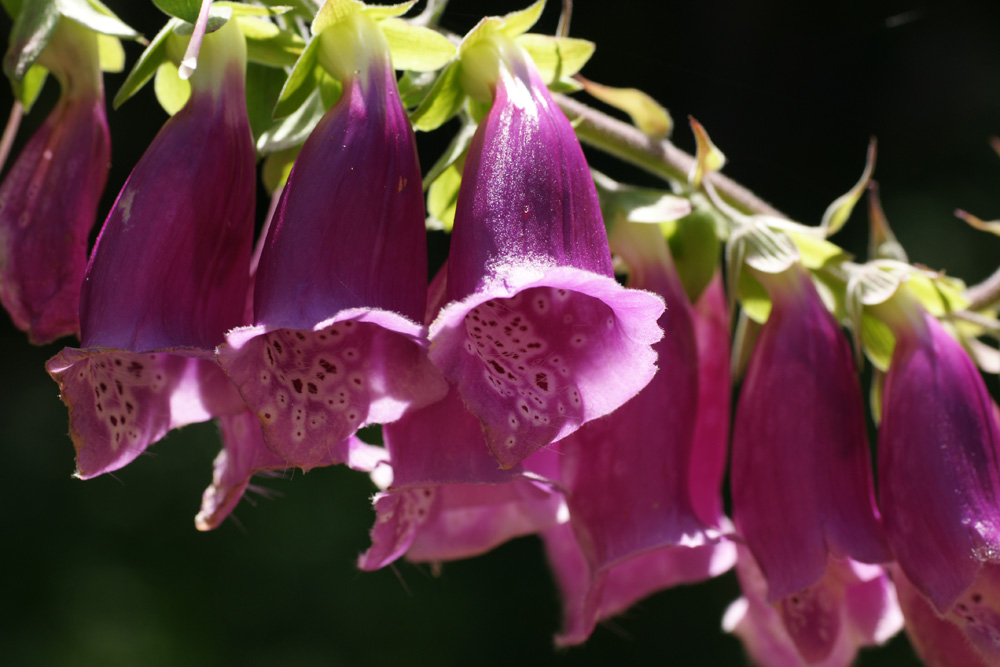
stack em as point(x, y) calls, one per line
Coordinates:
point(267, 44)
point(334, 11)
point(263, 85)
point(442, 197)
point(878, 341)
point(301, 82)
point(444, 100)
point(241, 10)
point(30, 87)
point(172, 92)
point(694, 245)
point(32, 30)
point(646, 113)
point(754, 299)
point(556, 58)
point(110, 53)
point(416, 48)
point(185, 10)
point(146, 66)
point(839, 211)
point(294, 129)
point(941, 295)
point(517, 23)
point(456, 149)
point(767, 250)
point(277, 167)
point(330, 88)
point(414, 86)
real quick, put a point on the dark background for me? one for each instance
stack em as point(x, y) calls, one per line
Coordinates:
point(112, 572)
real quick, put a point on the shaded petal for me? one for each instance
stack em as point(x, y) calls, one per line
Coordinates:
point(48, 202)
point(939, 465)
point(121, 402)
point(800, 450)
point(589, 599)
point(544, 352)
point(244, 455)
point(938, 641)
point(711, 433)
point(312, 389)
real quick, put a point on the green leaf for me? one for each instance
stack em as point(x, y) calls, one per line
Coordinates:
point(185, 10)
point(519, 22)
point(382, 12)
point(277, 167)
point(241, 10)
point(110, 53)
point(294, 129)
point(31, 31)
point(268, 44)
point(839, 211)
point(443, 101)
point(816, 252)
point(416, 48)
point(753, 298)
point(172, 92)
point(695, 247)
point(442, 197)
point(301, 82)
point(557, 57)
point(149, 61)
point(29, 88)
point(646, 113)
point(263, 87)
point(878, 341)
point(95, 16)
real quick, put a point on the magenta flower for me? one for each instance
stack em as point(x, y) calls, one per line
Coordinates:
point(168, 277)
point(540, 338)
point(341, 286)
point(48, 200)
point(801, 475)
point(851, 606)
point(939, 462)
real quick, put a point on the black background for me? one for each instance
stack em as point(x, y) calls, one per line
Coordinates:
point(112, 572)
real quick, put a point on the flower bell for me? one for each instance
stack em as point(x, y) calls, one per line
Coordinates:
point(539, 338)
point(168, 277)
point(939, 457)
point(49, 198)
point(341, 287)
point(801, 476)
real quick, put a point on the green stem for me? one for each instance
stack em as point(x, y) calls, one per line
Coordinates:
point(660, 158)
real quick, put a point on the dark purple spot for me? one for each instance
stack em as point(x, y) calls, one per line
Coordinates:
point(312, 388)
point(119, 387)
point(297, 384)
point(542, 381)
point(129, 408)
point(113, 420)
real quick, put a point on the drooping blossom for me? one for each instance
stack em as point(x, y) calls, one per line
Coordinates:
point(444, 496)
point(48, 200)
point(341, 286)
point(539, 338)
point(168, 276)
point(852, 606)
point(801, 472)
point(938, 459)
point(632, 477)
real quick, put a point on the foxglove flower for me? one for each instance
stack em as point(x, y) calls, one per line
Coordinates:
point(49, 198)
point(539, 338)
point(168, 276)
point(631, 478)
point(801, 476)
point(853, 605)
point(444, 495)
point(341, 286)
point(939, 458)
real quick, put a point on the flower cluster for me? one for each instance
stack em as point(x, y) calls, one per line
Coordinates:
point(567, 372)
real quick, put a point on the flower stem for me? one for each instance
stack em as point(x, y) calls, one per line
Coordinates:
point(984, 294)
point(190, 62)
point(660, 158)
point(10, 131)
